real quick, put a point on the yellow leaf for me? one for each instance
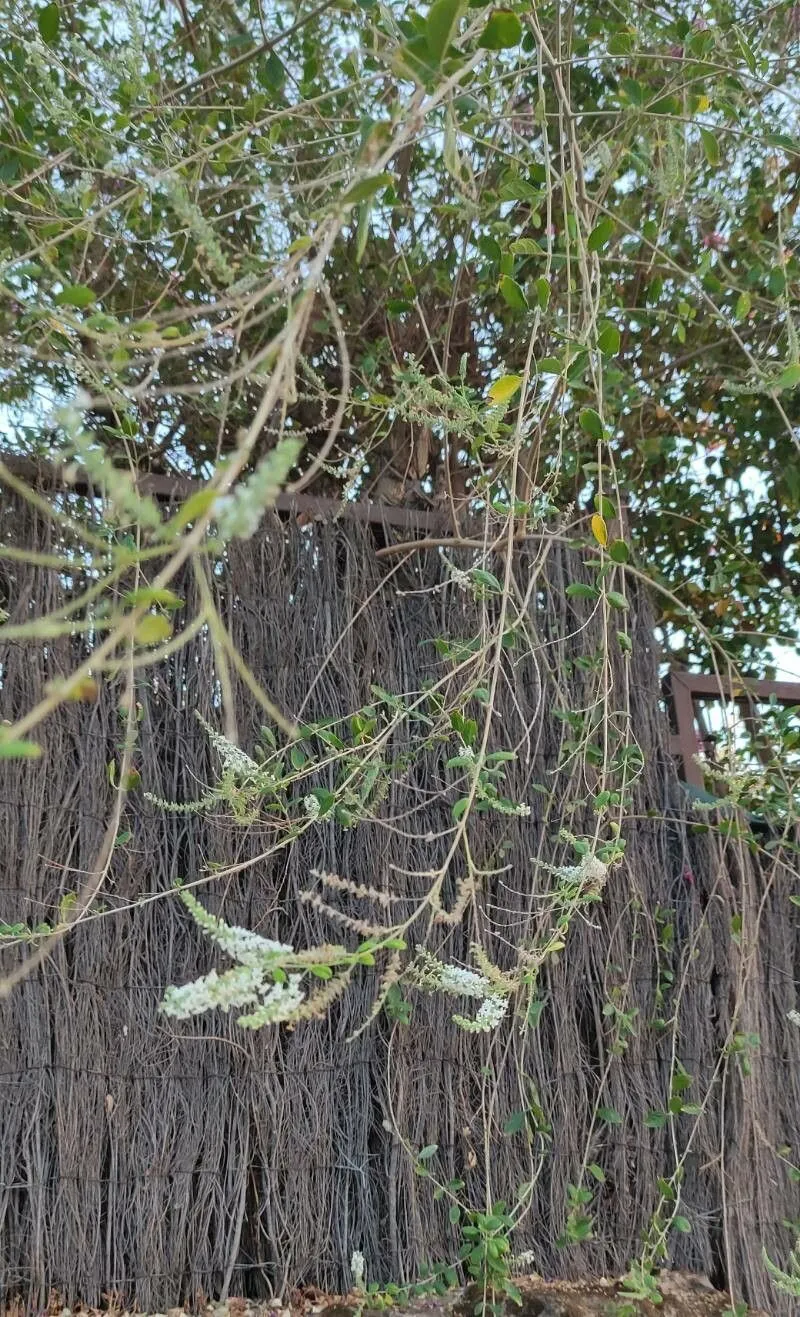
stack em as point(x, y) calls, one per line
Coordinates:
point(86, 690)
point(703, 103)
point(600, 529)
point(152, 629)
point(504, 389)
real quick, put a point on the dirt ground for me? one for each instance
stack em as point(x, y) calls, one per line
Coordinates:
point(684, 1295)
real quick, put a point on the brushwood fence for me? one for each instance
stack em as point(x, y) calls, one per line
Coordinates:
point(159, 1160)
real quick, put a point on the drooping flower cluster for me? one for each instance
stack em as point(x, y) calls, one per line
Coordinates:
point(236, 988)
point(234, 760)
point(509, 807)
point(463, 982)
point(281, 1003)
point(460, 579)
point(492, 1012)
point(586, 879)
point(257, 980)
point(431, 975)
point(241, 944)
point(590, 871)
point(239, 513)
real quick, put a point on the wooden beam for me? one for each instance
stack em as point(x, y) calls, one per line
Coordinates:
point(742, 690)
point(686, 740)
point(176, 488)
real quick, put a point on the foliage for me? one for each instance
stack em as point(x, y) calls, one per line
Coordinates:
point(788, 1282)
point(425, 194)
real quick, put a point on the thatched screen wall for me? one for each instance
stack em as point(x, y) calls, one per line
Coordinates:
point(159, 1159)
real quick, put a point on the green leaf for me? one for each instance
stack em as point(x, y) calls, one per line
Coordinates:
point(597, 1172)
point(542, 287)
point(271, 73)
point(789, 378)
point(321, 971)
point(441, 26)
point(579, 590)
point(655, 1120)
point(618, 551)
point(743, 304)
point(504, 389)
point(14, 749)
point(591, 423)
point(601, 234)
point(74, 295)
point(515, 1122)
point(487, 579)
point(194, 507)
point(502, 31)
point(604, 506)
point(459, 808)
point(621, 43)
point(609, 1116)
point(609, 339)
point(746, 49)
point(364, 213)
point(467, 728)
point(535, 1011)
point(454, 1214)
point(682, 1224)
point(710, 145)
point(412, 61)
point(776, 283)
point(430, 1150)
point(632, 90)
point(625, 642)
point(150, 595)
point(513, 294)
point(549, 366)
point(665, 105)
point(297, 758)
point(616, 599)
point(527, 247)
point(364, 189)
point(47, 21)
point(514, 188)
point(103, 323)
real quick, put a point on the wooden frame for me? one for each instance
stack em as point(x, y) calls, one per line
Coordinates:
point(686, 687)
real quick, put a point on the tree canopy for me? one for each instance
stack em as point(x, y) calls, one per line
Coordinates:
point(537, 258)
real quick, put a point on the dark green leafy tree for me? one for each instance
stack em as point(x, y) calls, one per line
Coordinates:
point(605, 204)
